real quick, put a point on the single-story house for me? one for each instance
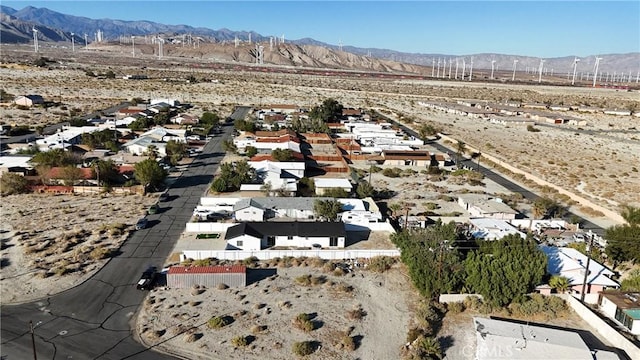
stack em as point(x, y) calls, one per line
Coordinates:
point(493, 229)
point(260, 235)
point(15, 164)
point(572, 264)
point(481, 206)
point(184, 277)
point(29, 100)
point(322, 184)
point(299, 208)
point(515, 340)
point(624, 308)
point(409, 158)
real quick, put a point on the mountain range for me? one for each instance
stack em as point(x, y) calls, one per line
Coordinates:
point(16, 26)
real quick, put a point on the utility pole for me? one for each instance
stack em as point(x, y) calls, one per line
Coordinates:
point(33, 340)
point(586, 270)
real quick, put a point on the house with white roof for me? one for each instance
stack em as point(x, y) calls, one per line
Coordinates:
point(298, 208)
point(571, 263)
point(15, 163)
point(278, 176)
point(322, 184)
point(514, 340)
point(493, 229)
point(63, 139)
point(157, 137)
point(482, 206)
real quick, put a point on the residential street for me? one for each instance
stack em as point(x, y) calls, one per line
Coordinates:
point(95, 319)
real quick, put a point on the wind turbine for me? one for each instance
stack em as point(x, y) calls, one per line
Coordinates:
point(515, 63)
point(471, 70)
point(73, 43)
point(540, 71)
point(450, 63)
point(133, 44)
point(438, 72)
point(464, 67)
point(85, 41)
point(595, 70)
point(160, 45)
point(35, 39)
point(493, 62)
point(456, 77)
point(575, 66)
point(433, 67)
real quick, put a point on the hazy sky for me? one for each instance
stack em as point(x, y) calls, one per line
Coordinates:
point(540, 28)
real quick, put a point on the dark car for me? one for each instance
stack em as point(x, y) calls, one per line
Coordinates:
point(148, 279)
point(142, 223)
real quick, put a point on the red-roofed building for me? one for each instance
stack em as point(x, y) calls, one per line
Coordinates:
point(58, 175)
point(184, 277)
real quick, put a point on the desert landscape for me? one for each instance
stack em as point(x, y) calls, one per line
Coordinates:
point(353, 315)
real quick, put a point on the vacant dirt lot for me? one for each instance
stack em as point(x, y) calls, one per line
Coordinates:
point(264, 311)
point(52, 242)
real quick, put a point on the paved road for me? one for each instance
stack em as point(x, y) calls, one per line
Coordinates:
point(506, 183)
point(94, 320)
point(240, 112)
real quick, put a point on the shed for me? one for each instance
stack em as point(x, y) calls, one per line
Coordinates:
point(183, 277)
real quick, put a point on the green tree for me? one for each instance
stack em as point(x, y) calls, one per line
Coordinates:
point(243, 125)
point(105, 171)
point(151, 152)
point(623, 241)
point(110, 75)
point(229, 146)
point(329, 111)
point(559, 283)
point(327, 210)
point(55, 158)
point(631, 282)
point(427, 130)
point(232, 175)
point(433, 262)
point(282, 155)
point(250, 151)
point(364, 190)
point(544, 207)
point(335, 193)
point(505, 270)
point(306, 187)
point(150, 174)
point(209, 118)
point(175, 151)
point(70, 174)
point(12, 183)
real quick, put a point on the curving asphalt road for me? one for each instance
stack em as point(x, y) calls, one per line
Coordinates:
point(94, 320)
point(490, 174)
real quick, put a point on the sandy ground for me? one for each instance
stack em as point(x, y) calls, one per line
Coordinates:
point(53, 242)
point(170, 315)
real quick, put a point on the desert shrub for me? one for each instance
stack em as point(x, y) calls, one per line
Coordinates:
point(455, 307)
point(61, 270)
point(532, 128)
point(356, 314)
point(189, 338)
point(342, 288)
point(250, 261)
point(303, 322)
point(100, 253)
point(239, 341)
point(338, 272)
point(202, 262)
point(303, 348)
point(414, 333)
point(472, 302)
point(328, 267)
point(392, 172)
point(218, 322)
point(257, 329)
point(316, 262)
point(381, 264)
point(222, 286)
point(310, 280)
point(346, 342)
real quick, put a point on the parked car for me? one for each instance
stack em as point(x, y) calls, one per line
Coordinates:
point(148, 279)
point(142, 223)
point(153, 209)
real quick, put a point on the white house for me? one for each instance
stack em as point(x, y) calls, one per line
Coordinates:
point(157, 137)
point(624, 308)
point(260, 235)
point(571, 264)
point(322, 184)
point(63, 139)
point(493, 229)
point(482, 206)
point(299, 208)
point(28, 100)
point(283, 143)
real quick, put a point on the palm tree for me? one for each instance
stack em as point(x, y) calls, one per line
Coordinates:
point(460, 150)
point(560, 283)
point(631, 214)
point(395, 207)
